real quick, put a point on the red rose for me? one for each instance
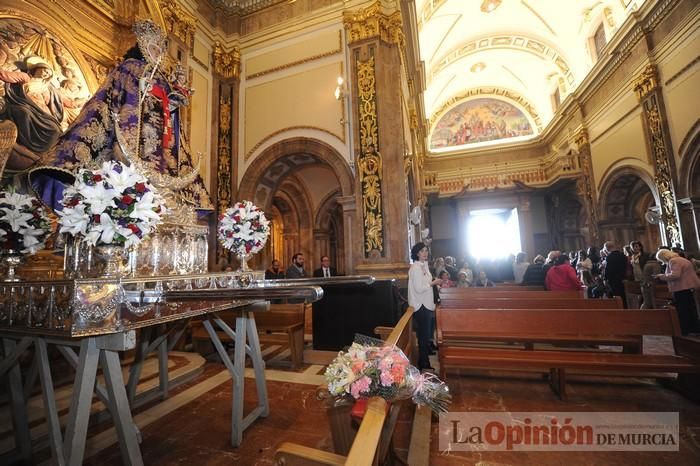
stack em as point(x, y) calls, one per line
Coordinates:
point(140, 187)
point(127, 200)
point(134, 229)
point(96, 218)
point(97, 177)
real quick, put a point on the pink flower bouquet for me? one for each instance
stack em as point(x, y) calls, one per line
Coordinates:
point(366, 370)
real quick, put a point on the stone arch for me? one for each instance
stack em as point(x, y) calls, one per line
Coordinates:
point(268, 169)
point(688, 190)
point(689, 169)
point(625, 196)
point(328, 230)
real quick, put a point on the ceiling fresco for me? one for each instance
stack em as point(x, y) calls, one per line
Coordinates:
point(540, 50)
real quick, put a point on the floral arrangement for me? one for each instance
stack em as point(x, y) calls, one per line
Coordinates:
point(111, 205)
point(368, 370)
point(24, 223)
point(243, 229)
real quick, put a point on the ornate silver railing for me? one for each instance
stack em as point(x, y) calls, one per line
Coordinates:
point(82, 307)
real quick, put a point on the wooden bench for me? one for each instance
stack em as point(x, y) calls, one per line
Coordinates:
point(371, 442)
point(586, 328)
point(451, 293)
point(283, 323)
point(536, 303)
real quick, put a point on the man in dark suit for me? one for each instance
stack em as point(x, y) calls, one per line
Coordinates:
point(326, 270)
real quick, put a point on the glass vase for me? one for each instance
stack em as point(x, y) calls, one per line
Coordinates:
point(12, 259)
point(243, 261)
point(113, 258)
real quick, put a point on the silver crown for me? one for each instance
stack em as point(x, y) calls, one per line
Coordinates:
point(150, 38)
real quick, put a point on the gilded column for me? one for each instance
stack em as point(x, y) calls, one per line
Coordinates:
point(226, 65)
point(369, 162)
point(585, 185)
point(377, 54)
point(649, 94)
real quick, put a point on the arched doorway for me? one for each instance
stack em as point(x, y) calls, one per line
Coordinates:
point(299, 181)
point(626, 197)
point(688, 192)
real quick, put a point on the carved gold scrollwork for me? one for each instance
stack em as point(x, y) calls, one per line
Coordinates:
point(224, 152)
point(646, 82)
point(223, 172)
point(178, 22)
point(584, 184)
point(227, 64)
point(370, 161)
point(662, 176)
point(373, 22)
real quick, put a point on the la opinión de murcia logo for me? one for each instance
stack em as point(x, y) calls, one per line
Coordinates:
point(609, 431)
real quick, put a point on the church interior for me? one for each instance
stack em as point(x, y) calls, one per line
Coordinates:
point(478, 129)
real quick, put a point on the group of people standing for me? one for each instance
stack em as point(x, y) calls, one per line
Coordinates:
point(602, 273)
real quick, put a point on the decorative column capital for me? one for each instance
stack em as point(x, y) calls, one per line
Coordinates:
point(646, 83)
point(374, 22)
point(178, 22)
point(227, 64)
point(581, 140)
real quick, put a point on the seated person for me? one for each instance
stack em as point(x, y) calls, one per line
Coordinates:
point(275, 271)
point(446, 282)
point(483, 281)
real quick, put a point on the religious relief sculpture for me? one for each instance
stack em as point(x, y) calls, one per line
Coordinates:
point(370, 161)
point(134, 116)
point(41, 90)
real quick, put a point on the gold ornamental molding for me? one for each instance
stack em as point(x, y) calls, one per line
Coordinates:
point(585, 184)
point(373, 22)
point(370, 161)
point(486, 91)
point(227, 64)
point(513, 42)
point(303, 61)
point(178, 22)
point(646, 82)
point(662, 175)
point(224, 150)
point(250, 153)
point(534, 173)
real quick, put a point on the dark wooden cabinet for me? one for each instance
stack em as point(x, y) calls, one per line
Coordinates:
point(347, 309)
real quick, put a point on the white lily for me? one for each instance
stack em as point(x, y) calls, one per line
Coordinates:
point(15, 218)
point(121, 181)
point(98, 198)
point(74, 220)
point(16, 199)
point(144, 208)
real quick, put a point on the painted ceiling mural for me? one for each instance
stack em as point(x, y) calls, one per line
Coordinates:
point(42, 89)
point(479, 120)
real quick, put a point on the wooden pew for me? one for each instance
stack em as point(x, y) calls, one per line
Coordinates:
point(373, 438)
point(283, 323)
point(529, 303)
point(465, 293)
point(590, 327)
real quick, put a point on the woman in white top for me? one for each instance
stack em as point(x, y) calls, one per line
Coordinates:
point(420, 298)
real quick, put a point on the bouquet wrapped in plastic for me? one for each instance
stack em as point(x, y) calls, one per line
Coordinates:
point(369, 369)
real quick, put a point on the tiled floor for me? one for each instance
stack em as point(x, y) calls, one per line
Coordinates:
point(193, 426)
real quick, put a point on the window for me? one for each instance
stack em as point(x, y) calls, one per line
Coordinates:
point(556, 99)
point(599, 41)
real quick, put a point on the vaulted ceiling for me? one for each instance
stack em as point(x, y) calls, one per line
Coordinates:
point(522, 52)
